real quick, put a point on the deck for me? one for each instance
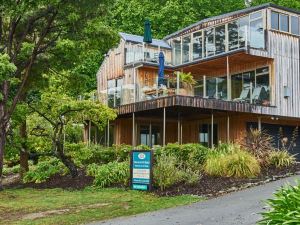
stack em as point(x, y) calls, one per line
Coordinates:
point(196, 102)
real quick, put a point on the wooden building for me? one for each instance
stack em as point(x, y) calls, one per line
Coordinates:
point(246, 65)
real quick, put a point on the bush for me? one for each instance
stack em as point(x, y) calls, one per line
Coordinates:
point(187, 152)
point(259, 143)
point(11, 170)
point(168, 171)
point(281, 158)
point(84, 155)
point(165, 171)
point(113, 173)
point(241, 164)
point(231, 161)
point(284, 207)
point(44, 170)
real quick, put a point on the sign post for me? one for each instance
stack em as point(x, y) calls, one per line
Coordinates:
point(141, 163)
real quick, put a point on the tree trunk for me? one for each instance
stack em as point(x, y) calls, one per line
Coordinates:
point(24, 155)
point(65, 159)
point(2, 147)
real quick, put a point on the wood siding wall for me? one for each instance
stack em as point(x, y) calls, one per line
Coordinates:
point(284, 49)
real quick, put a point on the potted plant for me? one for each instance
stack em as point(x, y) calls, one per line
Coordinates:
point(187, 83)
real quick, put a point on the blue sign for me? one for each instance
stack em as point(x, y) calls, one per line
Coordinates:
point(141, 170)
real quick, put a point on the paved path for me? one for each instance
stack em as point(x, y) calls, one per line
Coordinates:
point(239, 208)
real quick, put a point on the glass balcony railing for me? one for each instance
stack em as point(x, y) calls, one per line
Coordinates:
point(242, 89)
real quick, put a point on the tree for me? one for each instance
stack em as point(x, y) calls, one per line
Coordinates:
point(57, 111)
point(29, 30)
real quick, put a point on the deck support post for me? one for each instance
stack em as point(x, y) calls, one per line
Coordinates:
point(228, 79)
point(212, 130)
point(178, 128)
point(89, 133)
point(133, 130)
point(164, 127)
point(228, 129)
point(150, 135)
point(259, 123)
point(107, 133)
point(177, 83)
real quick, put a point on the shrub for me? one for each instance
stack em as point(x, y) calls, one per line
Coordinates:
point(44, 170)
point(281, 158)
point(241, 164)
point(284, 207)
point(231, 162)
point(187, 152)
point(113, 173)
point(165, 171)
point(259, 143)
point(169, 171)
point(84, 155)
point(11, 170)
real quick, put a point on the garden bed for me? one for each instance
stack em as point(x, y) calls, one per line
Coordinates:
point(58, 181)
point(210, 186)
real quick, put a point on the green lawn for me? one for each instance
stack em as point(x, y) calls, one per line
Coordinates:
point(57, 206)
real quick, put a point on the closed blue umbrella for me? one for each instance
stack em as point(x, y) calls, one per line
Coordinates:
point(161, 68)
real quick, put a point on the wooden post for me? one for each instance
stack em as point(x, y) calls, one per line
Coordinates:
point(164, 127)
point(107, 133)
point(228, 80)
point(89, 133)
point(134, 84)
point(228, 129)
point(177, 82)
point(150, 135)
point(259, 123)
point(212, 130)
point(133, 129)
point(178, 129)
point(204, 86)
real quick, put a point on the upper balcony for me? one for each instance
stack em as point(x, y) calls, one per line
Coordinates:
point(246, 31)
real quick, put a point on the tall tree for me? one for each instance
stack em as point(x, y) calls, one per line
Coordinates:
point(29, 30)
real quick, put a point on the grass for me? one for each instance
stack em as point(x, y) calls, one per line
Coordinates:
point(81, 206)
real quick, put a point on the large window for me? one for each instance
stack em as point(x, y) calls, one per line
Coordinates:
point(149, 135)
point(220, 39)
point(256, 81)
point(114, 90)
point(295, 25)
point(186, 41)
point(233, 35)
point(256, 31)
point(209, 42)
point(275, 20)
point(205, 133)
point(197, 45)
point(284, 22)
point(177, 51)
point(243, 31)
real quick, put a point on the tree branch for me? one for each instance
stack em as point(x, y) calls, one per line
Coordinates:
point(42, 114)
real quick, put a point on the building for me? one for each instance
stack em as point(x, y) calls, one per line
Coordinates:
point(247, 74)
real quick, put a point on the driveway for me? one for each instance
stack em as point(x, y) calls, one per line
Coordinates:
point(238, 208)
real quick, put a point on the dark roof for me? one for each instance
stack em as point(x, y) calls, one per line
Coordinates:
point(139, 39)
point(242, 11)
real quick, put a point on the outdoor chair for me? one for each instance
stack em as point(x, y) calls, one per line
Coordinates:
point(244, 96)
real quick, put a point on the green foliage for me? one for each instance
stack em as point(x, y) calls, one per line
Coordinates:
point(231, 162)
point(11, 170)
point(259, 143)
point(84, 155)
point(186, 152)
point(129, 15)
point(6, 68)
point(169, 171)
point(166, 172)
point(113, 173)
point(44, 170)
point(284, 207)
point(281, 158)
